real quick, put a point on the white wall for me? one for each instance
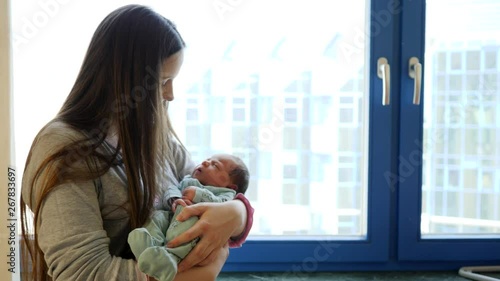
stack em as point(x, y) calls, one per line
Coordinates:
point(6, 155)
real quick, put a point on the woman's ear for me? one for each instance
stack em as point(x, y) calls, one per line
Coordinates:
point(233, 187)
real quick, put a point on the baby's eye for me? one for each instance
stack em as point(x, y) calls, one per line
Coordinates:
point(164, 82)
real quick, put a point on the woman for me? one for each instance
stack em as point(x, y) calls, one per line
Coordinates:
point(101, 166)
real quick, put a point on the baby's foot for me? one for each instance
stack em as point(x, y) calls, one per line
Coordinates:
point(158, 263)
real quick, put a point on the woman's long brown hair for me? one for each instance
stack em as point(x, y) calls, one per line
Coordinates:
point(116, 89)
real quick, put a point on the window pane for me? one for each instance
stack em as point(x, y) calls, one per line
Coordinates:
point(192, 114)
point(295, 107)
point(461, 186)
point(238, 114)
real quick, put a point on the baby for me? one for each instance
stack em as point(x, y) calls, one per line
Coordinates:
point(217, 179)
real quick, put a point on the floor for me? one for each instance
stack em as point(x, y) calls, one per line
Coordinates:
point(355, 276)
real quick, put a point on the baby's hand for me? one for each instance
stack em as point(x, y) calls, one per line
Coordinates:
point(181, 202)
point(188, 193)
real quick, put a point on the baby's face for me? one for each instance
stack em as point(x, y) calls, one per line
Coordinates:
point(215, 170)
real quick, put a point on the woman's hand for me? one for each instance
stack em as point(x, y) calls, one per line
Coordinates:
point(218, 223)
point(208, 272)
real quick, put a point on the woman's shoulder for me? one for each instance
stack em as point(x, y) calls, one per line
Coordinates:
point(56, 134)
point(50, 139)
point(59, 128)
point(53, 137)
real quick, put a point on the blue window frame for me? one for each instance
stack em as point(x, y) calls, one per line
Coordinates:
point(412, 246)
point(394, 240)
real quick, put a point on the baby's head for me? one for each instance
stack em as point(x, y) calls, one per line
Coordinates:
point(223, 170)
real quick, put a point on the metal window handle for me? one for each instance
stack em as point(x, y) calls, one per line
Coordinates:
point(415, 72)
point(384, 73)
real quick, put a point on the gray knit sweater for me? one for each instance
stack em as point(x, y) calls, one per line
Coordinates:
point(83, 231)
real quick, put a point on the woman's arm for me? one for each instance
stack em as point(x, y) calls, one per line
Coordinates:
point(72, 237)
point(218, 223)
point(202, 273)
point(71, 230)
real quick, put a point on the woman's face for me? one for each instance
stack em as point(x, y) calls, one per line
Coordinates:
point(169, 71)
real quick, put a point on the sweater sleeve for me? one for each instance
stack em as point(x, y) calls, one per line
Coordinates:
point(236, 242)
point(72, 237)
point(213, 194)
point(183, 165)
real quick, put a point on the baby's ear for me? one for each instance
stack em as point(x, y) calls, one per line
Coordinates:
point(233, 187)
